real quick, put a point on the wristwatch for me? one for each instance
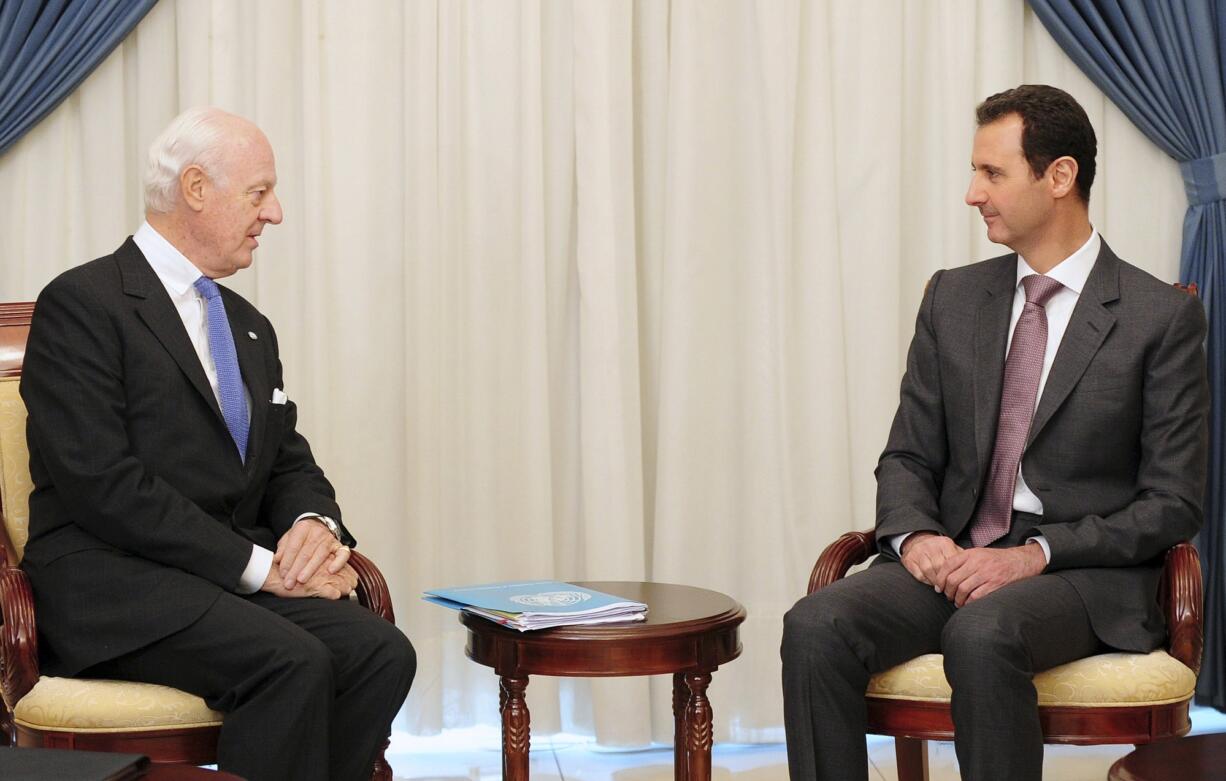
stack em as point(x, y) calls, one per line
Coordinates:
point(331, 524)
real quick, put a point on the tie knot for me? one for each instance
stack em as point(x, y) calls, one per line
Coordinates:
point(1039, 289)
point(207, 288)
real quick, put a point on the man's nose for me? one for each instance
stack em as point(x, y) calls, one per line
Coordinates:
point(974, 194)
point(272, 210)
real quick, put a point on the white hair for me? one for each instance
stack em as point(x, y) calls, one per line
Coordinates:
point(195, 137)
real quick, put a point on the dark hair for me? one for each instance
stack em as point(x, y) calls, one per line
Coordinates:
point(1053, 126)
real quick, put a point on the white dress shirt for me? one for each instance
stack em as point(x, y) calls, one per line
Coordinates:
point(178, 275)
point(1072, 273)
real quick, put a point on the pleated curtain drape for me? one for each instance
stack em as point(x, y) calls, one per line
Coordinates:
point(48, 47)
point(1164, 65)
point(607, 291)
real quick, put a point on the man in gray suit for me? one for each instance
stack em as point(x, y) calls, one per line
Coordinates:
point(1049, 445)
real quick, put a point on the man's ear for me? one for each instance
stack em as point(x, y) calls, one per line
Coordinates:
point(192, 183)
point(1063, 175)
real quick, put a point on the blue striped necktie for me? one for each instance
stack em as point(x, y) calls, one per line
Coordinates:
point(225, 360)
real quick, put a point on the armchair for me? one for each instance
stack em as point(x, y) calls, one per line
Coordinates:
point(170, 726)
point(1108, 698)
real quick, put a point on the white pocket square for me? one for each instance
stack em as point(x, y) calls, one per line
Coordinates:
point(278, 396)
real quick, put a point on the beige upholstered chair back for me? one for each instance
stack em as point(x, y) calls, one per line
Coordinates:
point(14, 466)
point(15, 481)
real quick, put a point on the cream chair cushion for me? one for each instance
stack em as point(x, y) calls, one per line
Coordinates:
point(1105, 680)
point(83, 705)
point(15, 484)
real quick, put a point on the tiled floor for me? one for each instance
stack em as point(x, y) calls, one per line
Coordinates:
point(473, 755)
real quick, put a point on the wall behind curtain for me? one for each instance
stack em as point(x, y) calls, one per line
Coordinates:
point(591, 290)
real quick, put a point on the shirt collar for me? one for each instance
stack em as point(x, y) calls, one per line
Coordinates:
point(1073, 271)
point(175, 271)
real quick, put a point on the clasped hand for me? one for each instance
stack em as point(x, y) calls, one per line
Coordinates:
point(309, 562)
point(966, 574)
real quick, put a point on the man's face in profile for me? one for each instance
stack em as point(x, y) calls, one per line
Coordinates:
point(1014, 204)
point(239, 204)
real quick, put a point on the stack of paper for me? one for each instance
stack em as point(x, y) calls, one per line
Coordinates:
point(538, 604)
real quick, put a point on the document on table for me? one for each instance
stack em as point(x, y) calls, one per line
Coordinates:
point(538, 604)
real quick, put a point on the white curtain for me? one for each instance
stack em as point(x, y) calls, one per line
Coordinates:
point(590, 290)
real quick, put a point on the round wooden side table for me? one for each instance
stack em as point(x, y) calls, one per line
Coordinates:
point(689, 632)
point(1198, 758)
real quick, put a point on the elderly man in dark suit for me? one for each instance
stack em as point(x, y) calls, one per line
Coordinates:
point(180, 530)
point(1049, 446)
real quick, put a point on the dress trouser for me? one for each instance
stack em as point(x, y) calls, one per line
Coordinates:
point(835, 639)
point(309, 687)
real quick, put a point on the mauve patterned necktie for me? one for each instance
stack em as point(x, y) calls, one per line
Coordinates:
point(1019, 390)
point(225, 360)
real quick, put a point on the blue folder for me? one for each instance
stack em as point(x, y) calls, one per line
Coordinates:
point(538, 597)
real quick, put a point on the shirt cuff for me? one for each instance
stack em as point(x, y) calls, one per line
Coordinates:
point(1042, 542)
point(258, 567)
point(896, 542)
point(304, 516)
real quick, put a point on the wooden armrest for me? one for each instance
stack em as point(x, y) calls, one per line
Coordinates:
point(1181, 596)
point(841, 555)
point(372, 588)
point(18, 636)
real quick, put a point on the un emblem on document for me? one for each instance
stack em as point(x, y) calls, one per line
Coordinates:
point(551, 599)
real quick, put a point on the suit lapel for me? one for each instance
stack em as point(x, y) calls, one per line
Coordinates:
point(1087, 328)
point(156, 310)
point(991, 334)
point(251, 364)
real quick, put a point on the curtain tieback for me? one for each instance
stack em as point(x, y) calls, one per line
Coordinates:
point(1204, 179)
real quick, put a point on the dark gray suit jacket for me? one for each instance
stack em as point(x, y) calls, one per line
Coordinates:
point(1117, 448)
point(142, 512)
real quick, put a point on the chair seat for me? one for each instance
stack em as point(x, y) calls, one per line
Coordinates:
point(1114, 679)
point(84, 705)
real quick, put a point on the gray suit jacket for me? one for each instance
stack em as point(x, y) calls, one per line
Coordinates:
point(1117, 448)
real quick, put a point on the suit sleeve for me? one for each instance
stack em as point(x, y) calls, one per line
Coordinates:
point(1174, 452)
point(296, 484)
point(73, 388)
point(909, 470)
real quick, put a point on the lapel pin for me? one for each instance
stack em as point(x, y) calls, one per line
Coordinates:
point(252, 335)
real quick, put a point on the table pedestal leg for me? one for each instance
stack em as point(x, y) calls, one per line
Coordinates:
point(515, 727)
point(681, 740)
point(698, 727)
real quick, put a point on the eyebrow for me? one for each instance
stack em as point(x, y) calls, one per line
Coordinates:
point(987, 167)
